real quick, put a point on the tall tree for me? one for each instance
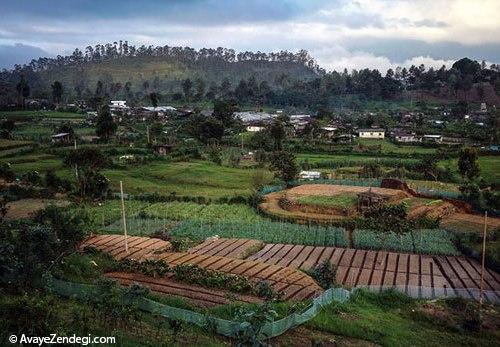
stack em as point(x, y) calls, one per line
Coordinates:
point(467, 163)
point(23, 90)
point(283, 165)
point(57, 91)
point(200, 88)
point(154, 99)
point(187, 86)
point(105, 126)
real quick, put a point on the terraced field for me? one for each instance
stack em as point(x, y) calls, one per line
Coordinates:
point(355, 268)
point(294, 284)
point(139, 248)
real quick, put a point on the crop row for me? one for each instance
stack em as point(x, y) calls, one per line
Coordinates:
point(206, 213)
point(267, 231)
point(429, 241)
point(409, 164)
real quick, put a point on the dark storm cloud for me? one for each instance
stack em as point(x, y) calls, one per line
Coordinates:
point(365, 31)
point(200, 12)
point(392, 49)
point(18, 54)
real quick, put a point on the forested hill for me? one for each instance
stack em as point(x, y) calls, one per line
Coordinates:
point(124, 69)
point(183, 74)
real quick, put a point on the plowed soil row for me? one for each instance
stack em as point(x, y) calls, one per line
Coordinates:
point(139, 248)
point(378, 268)
point(167, 286)
point(232, 248)
point(371, 268)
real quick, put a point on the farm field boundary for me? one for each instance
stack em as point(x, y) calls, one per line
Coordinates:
point(223, 327)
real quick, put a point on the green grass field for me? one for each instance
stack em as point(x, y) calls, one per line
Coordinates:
point(197, 178)
point(489, 165)
point(12, 144)
point(389, 147)
point(344, 201)
point(41, 114)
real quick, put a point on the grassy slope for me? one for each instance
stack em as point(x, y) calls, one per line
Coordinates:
point(197, 178)
point(393, 320)
point(388, 146)
point(42, 114)
point(490, 167)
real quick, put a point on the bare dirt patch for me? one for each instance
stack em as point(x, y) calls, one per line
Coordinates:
point(25, 208)
point(331, 189)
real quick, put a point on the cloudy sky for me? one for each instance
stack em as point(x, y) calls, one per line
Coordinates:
point(339, 34)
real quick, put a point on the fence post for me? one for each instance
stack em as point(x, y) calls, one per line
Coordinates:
point(124, 217)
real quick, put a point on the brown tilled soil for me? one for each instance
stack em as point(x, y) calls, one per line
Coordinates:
point(357, 267)
point(331, 189)
point(374, 268)
point(293, 283)
point(201, 296)
point(231, 248)
point(433, 211)
point(139, 248)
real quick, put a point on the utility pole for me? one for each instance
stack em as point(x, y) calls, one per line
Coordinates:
point(76, 165)
point(124, 218)
point(482, 261)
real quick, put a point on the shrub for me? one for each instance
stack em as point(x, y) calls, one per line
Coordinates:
point(6, 172)
point(31, 178)
point(324, 273)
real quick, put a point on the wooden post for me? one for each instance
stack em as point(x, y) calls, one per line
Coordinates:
point(76, 165)
point(147, 132)
point(124, 218)
point(482, 261)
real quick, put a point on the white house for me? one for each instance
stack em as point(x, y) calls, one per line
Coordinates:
point(118, 103)
point(404, 136)
point(432, 138)
point(254, 128)
point(376, 133)
point(310, 175)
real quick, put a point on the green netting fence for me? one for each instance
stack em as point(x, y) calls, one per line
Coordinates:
point(223, 326)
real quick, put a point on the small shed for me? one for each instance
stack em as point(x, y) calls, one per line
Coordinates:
point(369, 199)
point(310, 175)
point(61, 138)
point(162, 149)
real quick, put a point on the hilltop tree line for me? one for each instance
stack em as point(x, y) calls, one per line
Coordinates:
point(465, 79)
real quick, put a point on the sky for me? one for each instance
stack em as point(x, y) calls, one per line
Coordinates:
point(339, 34)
